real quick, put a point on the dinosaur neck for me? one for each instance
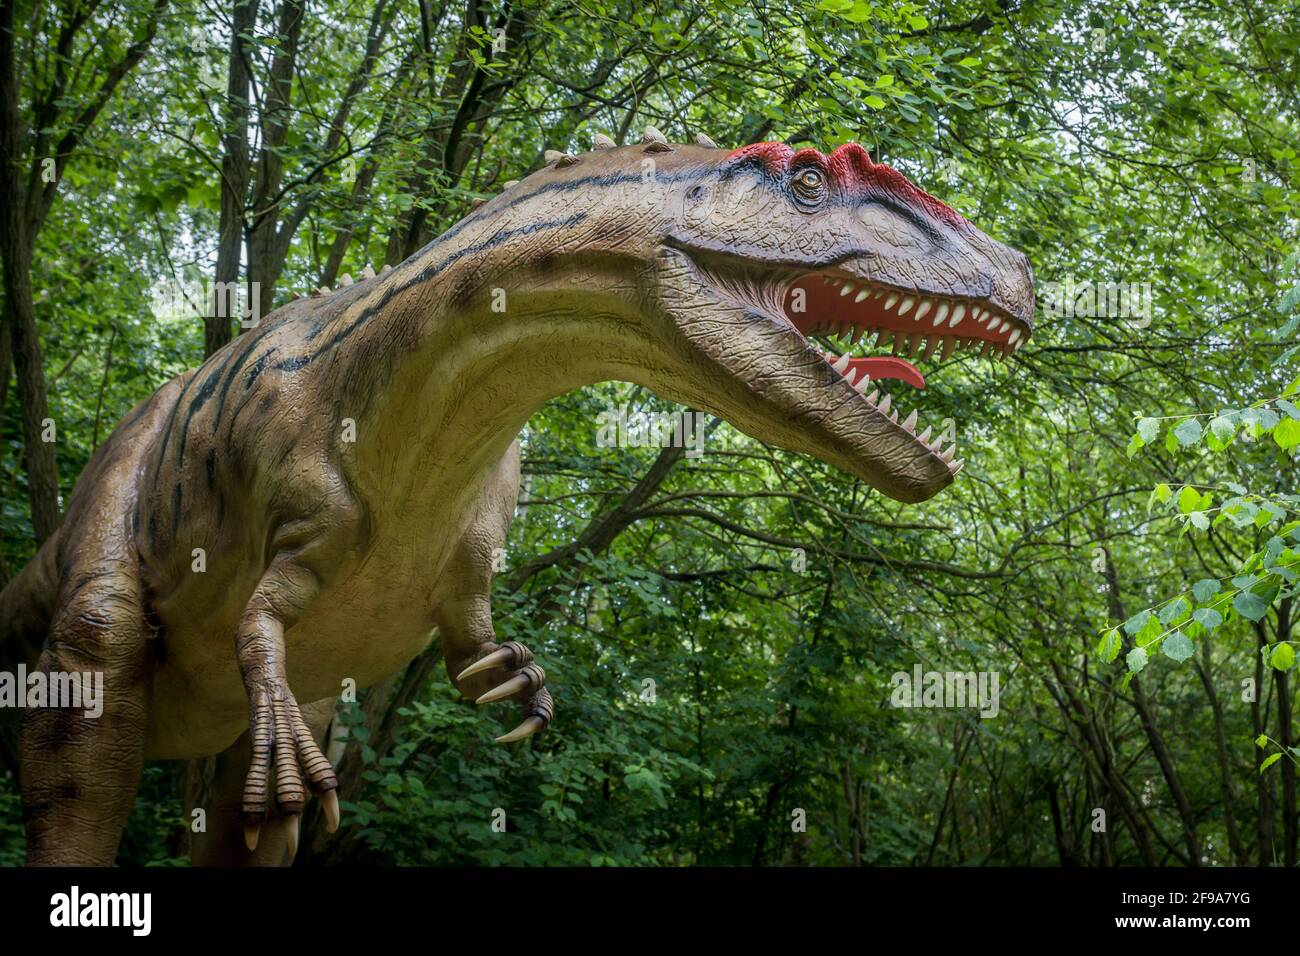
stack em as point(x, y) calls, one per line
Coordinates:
point(462, 347)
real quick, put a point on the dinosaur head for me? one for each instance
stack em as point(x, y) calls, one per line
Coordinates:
point(778, 282)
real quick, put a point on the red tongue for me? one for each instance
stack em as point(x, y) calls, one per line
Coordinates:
point(886, 366)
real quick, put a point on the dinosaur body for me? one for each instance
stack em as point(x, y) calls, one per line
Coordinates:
point(326, 490)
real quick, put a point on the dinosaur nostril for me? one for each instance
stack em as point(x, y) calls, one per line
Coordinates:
point(695, 193)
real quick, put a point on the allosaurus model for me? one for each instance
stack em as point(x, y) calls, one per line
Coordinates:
point(347, 468)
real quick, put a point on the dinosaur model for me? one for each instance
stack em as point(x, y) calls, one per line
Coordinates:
point(346, 469)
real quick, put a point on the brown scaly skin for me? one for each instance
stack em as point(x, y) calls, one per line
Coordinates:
point(349, 466)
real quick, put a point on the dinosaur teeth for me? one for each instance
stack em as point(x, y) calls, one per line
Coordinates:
point(891, 301)
point(875, 394)
point(906, 304)
point(958, 311)
point(910, 422)
point(841, 364)
point(924, 437)
point(922, 309)
point(956, 466)
point(848, 287)
point(862, 383)
point(862, 295)
point(883, 407)
point(1014, 337)
point(941, 314)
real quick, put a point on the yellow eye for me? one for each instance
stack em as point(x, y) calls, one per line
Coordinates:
point(809, 186)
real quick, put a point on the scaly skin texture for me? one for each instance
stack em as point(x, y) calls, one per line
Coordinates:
point(346, 469)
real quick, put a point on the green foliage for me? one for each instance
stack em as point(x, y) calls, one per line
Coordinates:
point(1111, 142)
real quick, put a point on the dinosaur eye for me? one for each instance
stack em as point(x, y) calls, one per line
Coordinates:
point(809, 186)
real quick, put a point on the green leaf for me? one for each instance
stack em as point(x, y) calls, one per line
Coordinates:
point(1148, 428)
point(1207, 617)
point(1250, 605)
point(1287, 434)
point(1283, 657)
point(1261, 741)
point(1222, 428)
point(1177, 646)
point(1189, 499)
point(1204, 589)
point(1110, 645)
point(1135, 624)
point(1188, 432)
point(1269, 761)
point(1136, 660)
point(875, 102)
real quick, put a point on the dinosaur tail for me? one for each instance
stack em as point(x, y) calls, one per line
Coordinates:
point(26, 607)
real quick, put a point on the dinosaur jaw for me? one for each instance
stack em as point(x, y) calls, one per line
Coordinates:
point(762, 323)
point(868, 317)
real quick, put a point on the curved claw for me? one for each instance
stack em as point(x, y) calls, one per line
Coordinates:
point(511, 687)
point(330, 802)
point(251, 833)
point(292, 822)
point(530, 726)
point(501, 656)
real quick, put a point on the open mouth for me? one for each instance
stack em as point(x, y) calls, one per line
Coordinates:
point(850, 322)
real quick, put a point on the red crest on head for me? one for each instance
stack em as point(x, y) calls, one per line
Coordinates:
point(852, 172)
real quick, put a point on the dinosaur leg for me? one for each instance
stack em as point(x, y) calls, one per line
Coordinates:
point(80, 769)
point(218, 787)
point(283, 747)
point(478, 666)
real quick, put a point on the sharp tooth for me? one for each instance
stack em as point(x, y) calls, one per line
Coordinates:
point(923, 308)
point(907, 303)
point(848, 376)
point(924, 437)
point(958, 311)
point(901, 342)
point(841, 364)
point(884, 404)
point(941, 314)
point(947, 454)
point(875, 394)
point(1004, 326)
point(857, 334)
point(878, 293)
point(862, 383)
point(1016, 347)
point(988, 347)
point(893, 298)
point(948, 345)
point(910, 422)
point(893, 415)
point(883, 339)
point(956, 466)
point(848, 287)
point(931, 344)
point(1014, 337)
point(861, 295)
point(914, 342)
